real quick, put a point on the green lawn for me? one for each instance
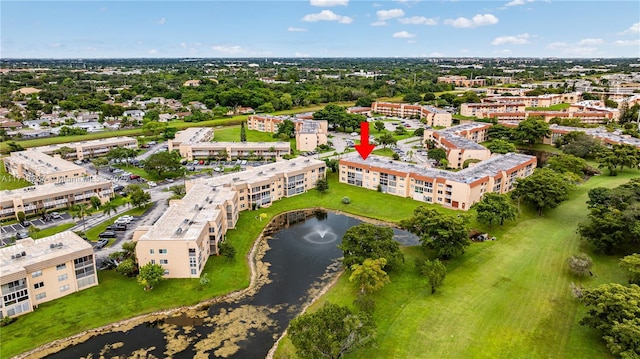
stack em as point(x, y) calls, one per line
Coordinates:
point(52, 230)
point(232, 134)
point(504, 299)
point(8, 181)
point(558, 107)
point(387, 152)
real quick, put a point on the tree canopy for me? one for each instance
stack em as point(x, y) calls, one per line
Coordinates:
point(579, 144)
point(330, 332)
point(447, 235)
point(149, 275)
point(495, 208)
point(435, 272)
point(286, 128)
point(632, 264)
point(501, 146)
point(369, 275)
point(163, 162)
point(531, 130)
point(545, 188)
point(368, 241)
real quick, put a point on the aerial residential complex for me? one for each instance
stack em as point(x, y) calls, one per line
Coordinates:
point(36, 272)
point(52, 196)
point(191, 229)
point(92, 148)
point(193, 144)
point(457, 190)
point(432, 116)
point(461, 142)
point(39, 168)
point(462, 81)
point(309, 133)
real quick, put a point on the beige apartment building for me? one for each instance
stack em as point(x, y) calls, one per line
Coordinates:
point(193, 227)
point(234, 150)
point(600, 133)
point(53, 196)
point(461, 142)
point(191, 135)
point(430, 115)
point(36, 272)
point(528, 101)
point(483, 110)
point(462, 81)
point(92, 148)
point(456, 190)
point(39, 168)
point(309, 133)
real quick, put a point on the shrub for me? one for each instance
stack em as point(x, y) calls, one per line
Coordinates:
point(346, 200)
point(580, 264)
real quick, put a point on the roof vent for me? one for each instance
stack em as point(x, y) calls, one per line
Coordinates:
point(179, 230)
point(186, 220)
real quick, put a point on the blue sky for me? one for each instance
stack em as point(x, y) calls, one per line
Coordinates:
point(319, 28)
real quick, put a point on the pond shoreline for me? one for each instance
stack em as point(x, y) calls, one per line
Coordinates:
point(254, 259)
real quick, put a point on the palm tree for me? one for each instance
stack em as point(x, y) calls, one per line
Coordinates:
point(109, 207)
point(80, 211)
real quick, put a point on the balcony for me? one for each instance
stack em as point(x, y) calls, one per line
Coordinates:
point(81, 197)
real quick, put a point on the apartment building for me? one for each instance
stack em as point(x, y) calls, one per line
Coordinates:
point(191, 135)
point(462, 81)
point(53, 196)
point(457, 190)
point(36, 272)
point(484, 110)
point(528, 101)
point(595, 106)
point(309, 133)
point(600, 133)
point(516, 91)
point(234, 150)
point(461, 142)
point(430, 115)
point(90, 149)
point(192, 228)
point(39, 168)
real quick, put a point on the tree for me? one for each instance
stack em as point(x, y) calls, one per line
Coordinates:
point(419, 132)
point(333, 114)
point(286, 128)
point(153, 128)
point(545, 188)
point(412, 97)
point(501, 146)
point(163, 162)
point(437, 154)
point(150, 275)
point(95, 202)
point(494, 208)
point(500, 132)
point(579, 144)
point(435, 272)
point(14, 147)
point(243, 132)
point(80, 211)
point(99, 162)
point(429, 96)
point(580, 264)
point(330, 332)
point(332, 164)
point(64, 151)
point(21, 216)
point(365, 101)
point(139, 197)
point(531, 130)
point(447, 235)
point(109, 208)
point(400, 130)
point(613, 309)
point(632, 264)
point(369, 275)
point(227, 249)
point(121, 153)
point(386, 139)
point(379, 125)
point(568, 163)
point(322, 185)
point(369, 241)
point(128, 267)
point(33, 230)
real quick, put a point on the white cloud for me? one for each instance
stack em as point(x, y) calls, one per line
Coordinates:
point(300, 54)
point(161, 21)
point(518, 2)
point(557, 45)
point(418, 20)
point(329, 3)
point(389, 14)
point(512, 40)
point(296, 29)
point(590, 42)
point(477, 20)
point(379, 23)
point(327, 15)
point(633, 29)
point(627, 42)
point(403, 35)
point(228, 50)
point(152, 51)
point(580, 51)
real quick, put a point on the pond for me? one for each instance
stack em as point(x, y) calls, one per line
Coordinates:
point(299, 258)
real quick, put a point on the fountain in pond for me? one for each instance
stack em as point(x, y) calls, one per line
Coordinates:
point(321, 234)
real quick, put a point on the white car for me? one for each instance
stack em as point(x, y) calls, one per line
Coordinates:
point(151, 184)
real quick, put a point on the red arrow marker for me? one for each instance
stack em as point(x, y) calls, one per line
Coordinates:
point(364, 148)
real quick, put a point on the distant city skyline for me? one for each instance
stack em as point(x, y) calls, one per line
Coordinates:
point(319, 28)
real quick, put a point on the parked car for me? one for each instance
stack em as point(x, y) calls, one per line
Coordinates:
point(78, 162)
point(107, 234)
point(118, 188)
point(20, 235)
point(56, 215)
point(133, 177)
point(101, 243)
point(122, 220)
point(151, 143)
point(151, 184)
point(170, 180)
point(191, 168)
point(117, 227)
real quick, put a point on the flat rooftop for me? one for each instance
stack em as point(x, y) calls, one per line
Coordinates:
point(51, 189)
point(241, 145)
point(42, 163)
point(44, 249)
point(487, 168)
point(109, 141)
point(186, 218)
point(193, 135)
point(601, 133)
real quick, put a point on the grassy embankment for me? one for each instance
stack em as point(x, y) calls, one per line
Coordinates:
point(8, 181)
point(504, 299)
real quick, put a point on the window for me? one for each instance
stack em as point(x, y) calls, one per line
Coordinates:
point(164, 261)
point(38, 285)
point(166, 271)
point(162, 251)
point(41, 296)
point(153, 261)
point(151, 251)
point(36, 274)
point(62, 277)
point(193, 271)
point(64, 288)
point(61, 266)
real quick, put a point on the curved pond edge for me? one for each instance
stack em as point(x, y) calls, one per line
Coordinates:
point(253, 258)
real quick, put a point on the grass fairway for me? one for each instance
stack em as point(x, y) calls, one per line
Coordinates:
point(232, 134)
point(504, 299)
point(8, 182)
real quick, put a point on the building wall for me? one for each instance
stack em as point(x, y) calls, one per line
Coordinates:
point(234, 150)
point(431, 116)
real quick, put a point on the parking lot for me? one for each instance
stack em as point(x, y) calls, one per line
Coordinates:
point(9, 230)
